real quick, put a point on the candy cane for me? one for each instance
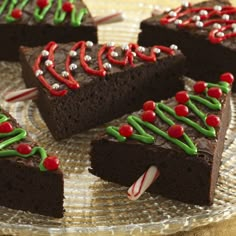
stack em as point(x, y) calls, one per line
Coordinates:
point(107, 19)
point(21, 95)
point(142, 184)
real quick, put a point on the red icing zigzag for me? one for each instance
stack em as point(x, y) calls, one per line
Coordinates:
point(217, 16)
point(106, 51)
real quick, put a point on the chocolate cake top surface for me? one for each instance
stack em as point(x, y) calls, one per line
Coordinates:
point(214, 20)
point(50, 12)
point(66, 67)
point(187, 123)
point(17, 146)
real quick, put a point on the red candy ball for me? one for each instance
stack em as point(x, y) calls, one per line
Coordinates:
point(126, 130)
point(67, 7)
point(16, 13)
point(6, 127)
point(227, 77)
point(149, 116)
point(214, 92)
point(200, 86)
point(176, 131)
point(42, 3)
point(182, 97)
point(149, 105)
point(181, 110)
point(51, 163)
point(213, 120)
point(24, 148)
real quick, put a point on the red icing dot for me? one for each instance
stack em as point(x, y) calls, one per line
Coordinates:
point(16, 13)
point(176, 131)
point(182, 97)
point(213, 120)
point(51, 163)
point(200, 86)
point(42, 3)
point(227, 77)
point(181, 110)
point(6, 127)
point(24, 148)
point(67, 7)
point(126, 130)
point(214, 92)
point(149, 105)
point(149, 116)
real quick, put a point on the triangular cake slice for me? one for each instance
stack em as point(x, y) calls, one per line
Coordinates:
point(30, 178)
point(205, 32)
point(82, 85)
point(36, 22)
point(182, 136)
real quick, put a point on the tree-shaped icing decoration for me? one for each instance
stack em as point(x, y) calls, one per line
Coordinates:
point(106, 56)
point(14, 136)
point(64, 10)
point(206, 94)
point(220, 19)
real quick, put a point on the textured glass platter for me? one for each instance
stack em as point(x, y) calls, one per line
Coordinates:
point(96, 207)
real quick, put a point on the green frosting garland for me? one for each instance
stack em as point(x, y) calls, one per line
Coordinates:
point(9, 18)
point(15, 136)
point(3, 6)
point(188, 146)
point(61, 15)
point(76, 19)
point(144, 137)
point(39, 14)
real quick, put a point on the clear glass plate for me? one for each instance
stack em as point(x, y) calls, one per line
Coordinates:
point(96, 207)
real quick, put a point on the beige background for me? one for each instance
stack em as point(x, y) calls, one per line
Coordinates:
point(106, 33)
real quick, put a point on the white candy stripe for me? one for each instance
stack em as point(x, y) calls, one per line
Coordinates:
point(142, 184)
point(157, 11)
point(21, 95)
point(111, 18)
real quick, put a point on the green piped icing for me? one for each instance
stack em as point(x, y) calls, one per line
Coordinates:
point(224, 86)
point(76, 19)
point(60, 14)
point(3, 118)
point(188, 146)
point(144, 137)
point(3, 6)
point(15, 136)
point(39, 14)
point(9, 18)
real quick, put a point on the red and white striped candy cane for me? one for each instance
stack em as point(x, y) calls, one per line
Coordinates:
point(142, 184)
point(107, 19)
point(21, 95)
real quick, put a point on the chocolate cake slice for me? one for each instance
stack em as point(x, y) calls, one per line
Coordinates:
point(205, 32)
point(82, 85)
point(36, 22)
point(182, 136)
point(30, 179)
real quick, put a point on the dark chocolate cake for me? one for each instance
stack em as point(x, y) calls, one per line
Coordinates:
point(205, 33)
point(36, 22)
point(182, 136)
point(82, 85)
point(30, 179)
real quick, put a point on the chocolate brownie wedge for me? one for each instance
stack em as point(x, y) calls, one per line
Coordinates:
point(36, 22)
point(82, 85)
point(205, 32)
point(30, 179)
point(182, 136)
